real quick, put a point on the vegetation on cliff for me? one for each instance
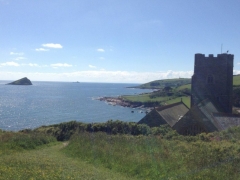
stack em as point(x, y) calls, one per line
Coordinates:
point(159, 84)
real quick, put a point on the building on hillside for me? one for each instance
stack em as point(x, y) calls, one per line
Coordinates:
point(211, 100)
point(169, 114)
point(213, 79)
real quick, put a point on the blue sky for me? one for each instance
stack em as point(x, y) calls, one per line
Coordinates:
point(130, 41)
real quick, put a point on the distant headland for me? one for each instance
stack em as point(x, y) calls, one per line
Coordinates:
point(23, 81)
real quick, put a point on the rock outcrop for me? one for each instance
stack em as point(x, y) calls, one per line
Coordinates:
point(23, 81)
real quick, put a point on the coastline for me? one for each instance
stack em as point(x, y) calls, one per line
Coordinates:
point(118, 101)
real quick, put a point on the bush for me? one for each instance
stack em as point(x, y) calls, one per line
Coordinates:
point(22, 140)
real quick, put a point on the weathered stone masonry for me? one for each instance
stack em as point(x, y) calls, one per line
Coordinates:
point(213, 79)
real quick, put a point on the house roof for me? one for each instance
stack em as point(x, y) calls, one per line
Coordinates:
point(224, 121)
point(206, 107)
point(168, 114)
point(152, 119)
point(221, 121)
point(208, 116)
point(173, 113)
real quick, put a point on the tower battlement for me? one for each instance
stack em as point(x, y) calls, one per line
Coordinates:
point(220, 59)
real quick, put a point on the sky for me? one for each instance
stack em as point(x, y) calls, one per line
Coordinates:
point(120, 41)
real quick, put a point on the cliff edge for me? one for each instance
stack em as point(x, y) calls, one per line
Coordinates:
point(23, 81)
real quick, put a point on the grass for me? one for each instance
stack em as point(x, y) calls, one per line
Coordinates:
point(161, 99)
point(11, 142)
point(144, 98)
point(185, 99)
point(151, 157)
point(162, 154)
point(50, 163)
point(186, 86)
point(45, 161)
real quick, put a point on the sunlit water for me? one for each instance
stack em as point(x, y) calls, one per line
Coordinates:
point(46, 103)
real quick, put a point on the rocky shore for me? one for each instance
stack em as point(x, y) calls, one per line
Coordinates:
point(118, 101)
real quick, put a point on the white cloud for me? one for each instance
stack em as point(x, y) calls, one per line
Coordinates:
point(100, 50)
point(60, 65)
point(91, 66)
point(102, 58)
point(9, 64)
point(99, 76)
point(236, 72)
point(17, 54)
point(41, 49)
point(52, 45)
point(32, 65)
point(19, 58)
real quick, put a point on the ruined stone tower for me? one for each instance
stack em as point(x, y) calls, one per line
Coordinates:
point(213, 79)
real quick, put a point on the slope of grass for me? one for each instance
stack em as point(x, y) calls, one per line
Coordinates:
point(161, 154)
point(50, 163)
point(11, 142)
point(151, 157)
point(30, 156)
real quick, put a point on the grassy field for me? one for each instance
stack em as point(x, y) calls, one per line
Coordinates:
point(144, 98)
point(50, 163)
point(152, 157)
point(47, 161)
point(159, 154)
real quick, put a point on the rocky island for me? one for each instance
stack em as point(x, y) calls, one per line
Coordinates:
point(23, 81)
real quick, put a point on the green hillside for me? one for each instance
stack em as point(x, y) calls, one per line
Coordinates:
point(181, 90)
point(158, 84)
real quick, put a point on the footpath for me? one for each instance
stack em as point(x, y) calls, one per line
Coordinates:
point(50, 162)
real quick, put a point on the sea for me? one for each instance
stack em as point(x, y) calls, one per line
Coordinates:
point(46, 103)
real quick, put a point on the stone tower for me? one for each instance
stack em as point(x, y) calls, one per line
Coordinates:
point(213, 79)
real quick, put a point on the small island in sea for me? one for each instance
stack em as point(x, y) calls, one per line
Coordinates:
point(23, 81)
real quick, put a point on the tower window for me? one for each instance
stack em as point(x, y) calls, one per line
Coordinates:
point(210, 79)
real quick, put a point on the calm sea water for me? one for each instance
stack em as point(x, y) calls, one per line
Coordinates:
point(46, 103)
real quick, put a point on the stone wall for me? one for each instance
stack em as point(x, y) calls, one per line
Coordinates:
point(213, 79)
